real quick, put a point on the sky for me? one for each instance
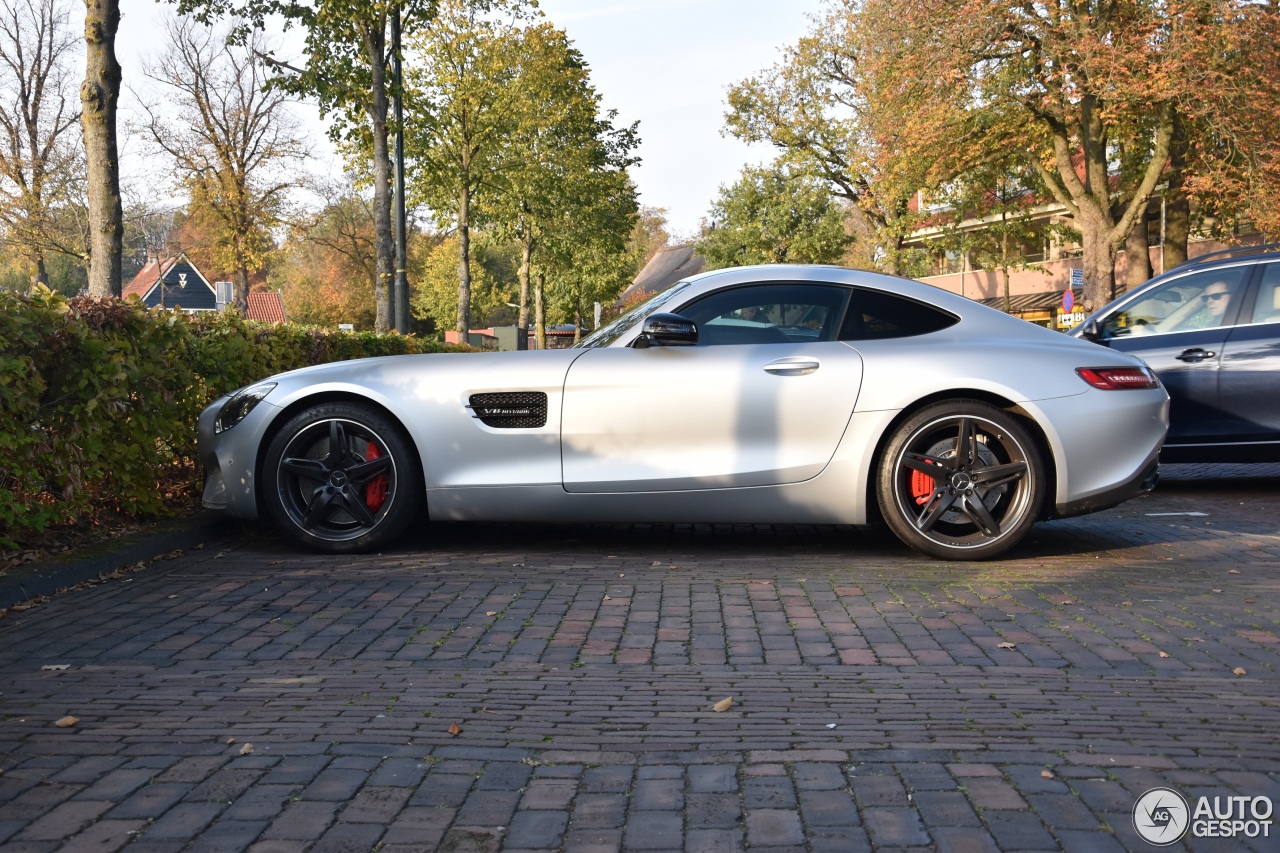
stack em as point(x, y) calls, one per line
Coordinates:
point(664, 63)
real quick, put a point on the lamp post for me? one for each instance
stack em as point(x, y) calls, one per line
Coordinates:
point(400, 290)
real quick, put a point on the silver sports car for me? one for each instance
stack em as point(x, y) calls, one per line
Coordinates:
point(775, 394)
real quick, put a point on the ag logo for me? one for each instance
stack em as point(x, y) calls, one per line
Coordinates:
point(1161, 816)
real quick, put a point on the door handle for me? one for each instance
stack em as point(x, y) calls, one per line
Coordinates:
point(791, 366)
point(1195, 354)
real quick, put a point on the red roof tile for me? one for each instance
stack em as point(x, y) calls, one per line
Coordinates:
point(265, 306)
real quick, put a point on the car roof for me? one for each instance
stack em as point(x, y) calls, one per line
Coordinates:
point(1235, 254)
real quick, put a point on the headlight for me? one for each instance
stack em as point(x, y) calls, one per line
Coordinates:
point(241, 404)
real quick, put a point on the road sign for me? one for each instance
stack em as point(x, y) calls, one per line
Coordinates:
point(1068, 300)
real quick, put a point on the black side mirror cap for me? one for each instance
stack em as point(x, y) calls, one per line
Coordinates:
point(1090, 330)
point(668, 330)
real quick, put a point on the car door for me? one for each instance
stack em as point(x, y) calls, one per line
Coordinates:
point(763, 399)
point(1249, 378)
point(1181, 331)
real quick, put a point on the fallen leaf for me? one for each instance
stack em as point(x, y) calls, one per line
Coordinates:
point(1164, 654)
point(1234, 572)
point(1217, 590)
point(1238, 671)
point(831, 725)
point(608, 598)
point(455, 729)
point(69, 721)
point(247, 749)
point(491, 613)
point(1006, 645)
point(1249, 601)
point(55, 667)
point(1046, 774)
point(230, 741)
point(657, 562)
point(723, 705)
point(1126, 604)
point(1068, 601)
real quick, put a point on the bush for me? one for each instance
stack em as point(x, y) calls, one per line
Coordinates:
point(99, 399)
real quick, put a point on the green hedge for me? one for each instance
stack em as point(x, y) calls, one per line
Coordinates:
point(99, 399)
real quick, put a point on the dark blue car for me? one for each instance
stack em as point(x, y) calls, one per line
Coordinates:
point(1210, 329)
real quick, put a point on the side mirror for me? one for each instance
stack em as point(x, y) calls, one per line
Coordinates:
point(1090, 330)
point(668, 330)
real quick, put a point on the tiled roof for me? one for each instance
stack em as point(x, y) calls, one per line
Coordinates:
point(147, 277)
point(265, 306)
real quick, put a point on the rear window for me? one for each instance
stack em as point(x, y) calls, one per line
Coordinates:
point(875, 315)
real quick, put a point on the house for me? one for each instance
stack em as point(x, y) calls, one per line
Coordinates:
point(177, 284)
point(669, 265)
point(1047, 264)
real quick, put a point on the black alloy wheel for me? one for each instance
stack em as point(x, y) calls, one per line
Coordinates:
point(340, 477)
point(961, 480)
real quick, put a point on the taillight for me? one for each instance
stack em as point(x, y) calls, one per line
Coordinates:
point(1118, 378)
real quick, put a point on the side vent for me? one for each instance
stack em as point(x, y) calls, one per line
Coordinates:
point(510, 409)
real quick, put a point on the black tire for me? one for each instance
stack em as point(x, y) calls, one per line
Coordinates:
point(979, 481)
point(351, 499)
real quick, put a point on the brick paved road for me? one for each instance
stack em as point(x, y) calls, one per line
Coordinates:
point(255, 698)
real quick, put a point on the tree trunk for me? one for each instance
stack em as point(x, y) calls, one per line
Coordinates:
point(1177, 206)
point(98, 96)
point(1099, 268)
point(384, 247)
point(241, 296)
point(526, 262)
point(464, 262)
point(1137, 250)
point(539, 314)
point(42, 274)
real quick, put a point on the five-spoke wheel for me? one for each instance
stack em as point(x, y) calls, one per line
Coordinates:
point(961, 479)
point(341, 477)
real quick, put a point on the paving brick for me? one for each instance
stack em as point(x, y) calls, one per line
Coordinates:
point(536, 829)
point(894, 827)
point(773, 827)
point(63, 820)
point(713, 811)
point(712, 778)
point(654, 830)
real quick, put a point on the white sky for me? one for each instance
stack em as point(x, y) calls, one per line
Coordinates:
point(664, 63)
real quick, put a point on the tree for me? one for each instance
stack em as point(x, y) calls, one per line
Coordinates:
point(237, 138)
point(1000, 197)
point(435, 294)
point(40, 161)
point(99, 94)
point(348, 69)
point(773, 215)
point(561, 186)
point(1089, 92)
point(648, 237)
point(463, 104)
point(813, 107)
point(329, 271)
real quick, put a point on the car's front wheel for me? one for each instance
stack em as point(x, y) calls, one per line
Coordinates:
point(341, 477)
point(961, 480)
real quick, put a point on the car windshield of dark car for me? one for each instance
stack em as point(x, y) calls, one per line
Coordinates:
point(1199, 301)
point(606, 335)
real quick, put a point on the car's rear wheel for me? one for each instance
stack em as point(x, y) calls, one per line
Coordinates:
point(961, 480)
point(341, 477)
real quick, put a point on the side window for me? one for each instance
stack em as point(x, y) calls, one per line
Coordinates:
point(768, 314)
point(875, 315)
point(1204, 300)
point(1267, 307)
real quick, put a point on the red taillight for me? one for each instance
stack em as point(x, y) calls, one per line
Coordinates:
point(1118, 378)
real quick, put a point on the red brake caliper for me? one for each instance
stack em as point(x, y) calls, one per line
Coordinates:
point(376, 492)
point(921, 486)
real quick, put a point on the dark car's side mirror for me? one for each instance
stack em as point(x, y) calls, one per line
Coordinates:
point(667, 330)
point(1090, 330)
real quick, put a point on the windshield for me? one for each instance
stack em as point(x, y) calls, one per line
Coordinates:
point(606, 335)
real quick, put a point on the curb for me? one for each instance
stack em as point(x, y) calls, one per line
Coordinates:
point(46, 577)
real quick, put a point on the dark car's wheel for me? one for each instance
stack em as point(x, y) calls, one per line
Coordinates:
point(961, 480)
point(341, 477)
